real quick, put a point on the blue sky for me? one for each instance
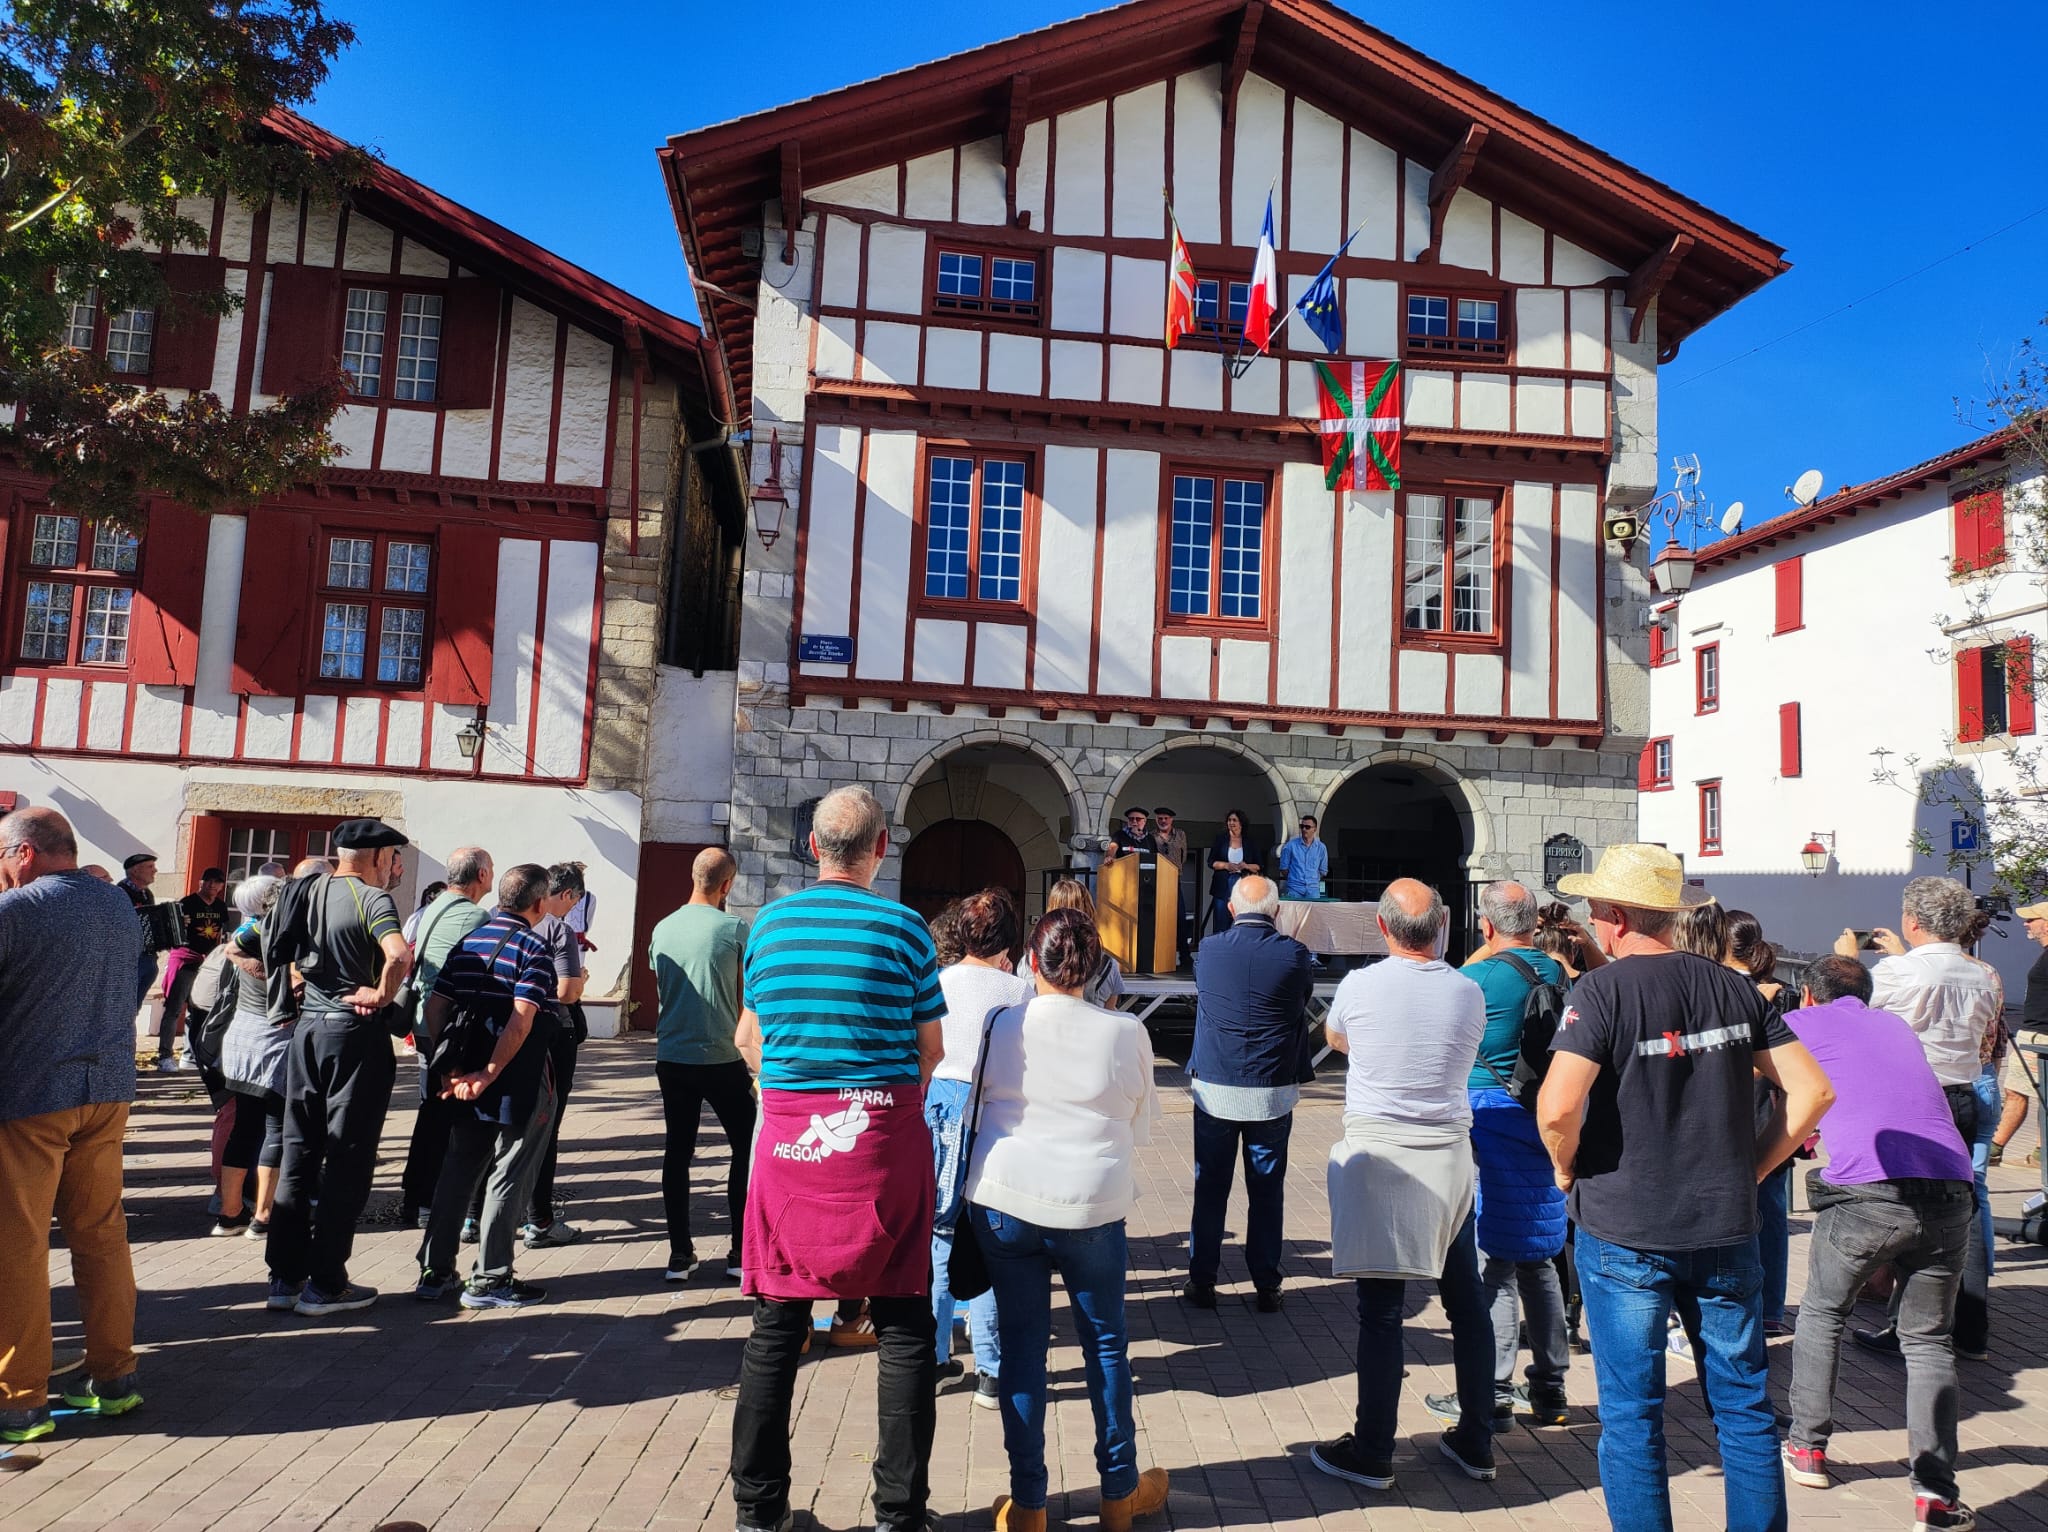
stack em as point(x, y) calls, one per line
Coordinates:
point(1870, 141)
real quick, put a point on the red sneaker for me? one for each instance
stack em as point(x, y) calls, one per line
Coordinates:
point(1807, 1466)
point(1931, 1513)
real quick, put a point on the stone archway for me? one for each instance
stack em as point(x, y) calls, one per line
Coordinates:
point(1464, 797)
point(1402, 814)
point(1283, 791)
point(1012, 785)
point(992, 739)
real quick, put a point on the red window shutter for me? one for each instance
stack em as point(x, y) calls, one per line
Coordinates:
point(186, 333)
point(2019, 686)
point(1789, 751)
point(1980, 529)
point(206, 845)
point(163, 631)
point(1970, 695)
point(1646, 767)
point(1659, 651)
point(469, 344)
point(304, 339)
point(465, 611)
point(277, 585)
point(1791, 594)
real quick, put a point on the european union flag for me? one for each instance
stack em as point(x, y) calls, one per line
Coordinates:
point(1318, 306)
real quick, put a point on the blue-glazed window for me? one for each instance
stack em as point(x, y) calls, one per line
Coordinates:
point(959, 275)
point(949, 515)
point(1449, 324)
point(1194, 534)
point(1244, 531)
point(1001, 576)
point(1216, 548)
point(1478, 319)
point(1001, 286)
point(1428, 317)
point(1013, 281)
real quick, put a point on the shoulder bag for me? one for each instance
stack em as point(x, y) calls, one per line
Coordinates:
point(1540, 1013)
point(467, 1042)
point(967, 1267)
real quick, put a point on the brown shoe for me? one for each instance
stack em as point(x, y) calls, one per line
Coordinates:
point(1012, 1517)
point(855, 1333)
point(1149, 1496)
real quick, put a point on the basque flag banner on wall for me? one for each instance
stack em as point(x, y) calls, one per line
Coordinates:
point(1180, 285)
point(1361, 419)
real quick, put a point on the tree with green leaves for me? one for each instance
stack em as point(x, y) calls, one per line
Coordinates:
point(111, 113)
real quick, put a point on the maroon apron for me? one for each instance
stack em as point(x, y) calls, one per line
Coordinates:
point(839, 1203)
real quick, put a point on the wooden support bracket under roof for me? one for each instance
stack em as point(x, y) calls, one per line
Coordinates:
point(1239, 60)
point(1016, 115)
point(792, 183)
point(1648, 279)
point(1448, 177)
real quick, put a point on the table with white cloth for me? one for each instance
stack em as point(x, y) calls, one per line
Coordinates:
point(1333, 927)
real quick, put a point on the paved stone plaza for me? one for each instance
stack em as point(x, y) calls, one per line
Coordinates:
point(609, 1406)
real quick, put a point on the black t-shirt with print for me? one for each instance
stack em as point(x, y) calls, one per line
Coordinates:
point(1667, 1160)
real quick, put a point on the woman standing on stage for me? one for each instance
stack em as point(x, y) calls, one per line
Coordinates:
point(1231, 856)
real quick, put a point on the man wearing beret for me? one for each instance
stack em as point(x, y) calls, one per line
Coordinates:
point(137, 873)
point(342, 931)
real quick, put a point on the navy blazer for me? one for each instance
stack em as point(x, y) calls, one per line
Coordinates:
point(1251, 1007)
point(1221, 882)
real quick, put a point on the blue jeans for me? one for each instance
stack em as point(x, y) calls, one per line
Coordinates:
point(1468, 1306)
point(1774, 1238)
point(1091, 1262)
point(945, 1112)
point(1265, 1177)
point(1990, 1103)
point(1629, 1296)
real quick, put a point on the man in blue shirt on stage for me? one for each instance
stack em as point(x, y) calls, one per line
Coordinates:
point(1304, 863)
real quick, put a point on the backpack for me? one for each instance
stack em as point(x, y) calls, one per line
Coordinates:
point(210, 1006)
point(1541, 1012)
point(466, 1042)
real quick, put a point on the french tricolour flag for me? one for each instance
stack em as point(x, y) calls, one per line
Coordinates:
point(1264, 301)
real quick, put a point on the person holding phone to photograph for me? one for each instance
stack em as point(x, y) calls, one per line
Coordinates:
point(1231, 856)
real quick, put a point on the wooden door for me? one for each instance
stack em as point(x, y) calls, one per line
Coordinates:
point(664, 887)
point(956, 857)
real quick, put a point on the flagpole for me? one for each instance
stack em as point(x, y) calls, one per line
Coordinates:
point(1295, 307)
point(1237, 364)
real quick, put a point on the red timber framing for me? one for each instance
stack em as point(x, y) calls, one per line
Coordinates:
point(720, 177)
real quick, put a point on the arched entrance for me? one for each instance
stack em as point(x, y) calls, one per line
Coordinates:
point(1015, 809)
point(959, 856)
point(1394, 819)
point(1202, 781)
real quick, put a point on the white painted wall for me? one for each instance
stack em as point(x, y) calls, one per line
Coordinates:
point(1862, 673)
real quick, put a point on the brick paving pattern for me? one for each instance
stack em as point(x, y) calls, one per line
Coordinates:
point(609, 1407)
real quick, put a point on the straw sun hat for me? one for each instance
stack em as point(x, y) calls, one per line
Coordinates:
point(1639, 876)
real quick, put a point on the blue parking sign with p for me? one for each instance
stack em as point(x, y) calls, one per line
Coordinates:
point(1962, 834)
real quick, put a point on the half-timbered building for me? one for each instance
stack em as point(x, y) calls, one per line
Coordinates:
point(1038, 566)
point(458, 627)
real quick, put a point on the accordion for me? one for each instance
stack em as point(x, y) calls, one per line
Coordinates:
point(163, 927)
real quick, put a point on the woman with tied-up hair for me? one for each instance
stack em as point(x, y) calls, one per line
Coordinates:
point(1066, 1097)
point(1231, 855)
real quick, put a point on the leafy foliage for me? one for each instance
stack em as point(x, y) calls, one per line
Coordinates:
point(111, 114)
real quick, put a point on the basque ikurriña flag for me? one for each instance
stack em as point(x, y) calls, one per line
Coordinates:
point(1361, 418)
point(1264, 300)
point(1180, 285)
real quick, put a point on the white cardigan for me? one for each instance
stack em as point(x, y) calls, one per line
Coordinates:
point(1067, 1097)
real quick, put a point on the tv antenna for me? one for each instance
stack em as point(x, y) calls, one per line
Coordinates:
point(1804, 490)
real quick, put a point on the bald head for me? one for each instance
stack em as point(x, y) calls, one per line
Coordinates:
point(1255, 895)
point(34, 842)
point(711, 875)
point(1412, 916)
point(471, 872)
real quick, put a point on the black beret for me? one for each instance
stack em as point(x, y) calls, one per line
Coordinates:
point(1166, 811)
point(129, 864)
point(366, 835)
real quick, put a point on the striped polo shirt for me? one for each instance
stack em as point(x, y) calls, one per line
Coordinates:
point(840, 979)
point(522, 969)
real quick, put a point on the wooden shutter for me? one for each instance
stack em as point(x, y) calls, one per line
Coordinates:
point(304, 344)
point(1980, 529)
point(277, 587)
point(1660, 650)
point(2019, 686)
point(163, 631)
point(186, 333)
point(1646, 767)
point(1970, 695)
point(469, 344)
point(1791, 594)
point(465, 612)
point(1789, 754)
point(206, 845)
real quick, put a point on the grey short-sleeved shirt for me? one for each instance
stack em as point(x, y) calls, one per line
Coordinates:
point(566, 951)
point(1414, 1030)
point(354, 920)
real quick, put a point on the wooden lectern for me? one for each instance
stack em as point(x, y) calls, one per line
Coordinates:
point(1137, 910)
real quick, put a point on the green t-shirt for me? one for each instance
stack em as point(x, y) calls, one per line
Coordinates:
point(1507, 994)
point(695, 954)
point(442, 927)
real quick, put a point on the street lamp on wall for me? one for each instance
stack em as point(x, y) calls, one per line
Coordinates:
point(1673, 569)
point(1814, 855)
point(470, 737)
point(771, 500)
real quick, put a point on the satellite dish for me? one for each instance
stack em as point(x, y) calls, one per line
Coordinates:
point(1732, 518)
point(1806, 489)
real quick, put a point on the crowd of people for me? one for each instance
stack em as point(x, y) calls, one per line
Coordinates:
point(1588, 1123)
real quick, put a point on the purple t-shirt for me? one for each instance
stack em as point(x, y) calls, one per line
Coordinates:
point(1890, 1119)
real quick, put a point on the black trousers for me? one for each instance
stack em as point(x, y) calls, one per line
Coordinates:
point(337, 1089)
point(425, 1154)
point(905, 1407)
point(685, 1091)
point(563, 1052)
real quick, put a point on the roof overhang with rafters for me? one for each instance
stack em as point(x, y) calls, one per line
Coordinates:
point(490, 249)
point(1695, 261)
point(1854, 498)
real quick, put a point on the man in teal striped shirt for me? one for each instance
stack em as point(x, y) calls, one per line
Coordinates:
point(842, 1025)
